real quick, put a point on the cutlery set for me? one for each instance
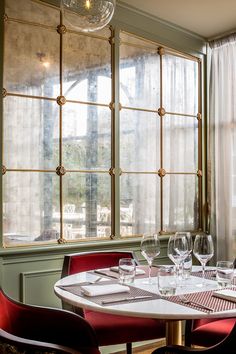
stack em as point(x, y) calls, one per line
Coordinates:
point(107, 302)
point(89, 282)
point(184, 300)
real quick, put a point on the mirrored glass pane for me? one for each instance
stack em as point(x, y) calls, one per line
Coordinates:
point(32, 198)
point(30, 133)
point(69, 22)
point(139, 77)
point(180, 202)
point(180, 85)
point(180, 144)
point(87, 68)
point(33, 11)
point(31, 60)
point(86, 205)
point(139, 141)
point(139, 204)
point(86, 137)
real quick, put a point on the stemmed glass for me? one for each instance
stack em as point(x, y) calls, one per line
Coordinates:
point(188, 238)
point(178, 249)
point(150, 249)
point(203, 250)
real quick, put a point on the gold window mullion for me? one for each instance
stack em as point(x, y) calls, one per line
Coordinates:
point(200, 142)
point(61, 29)
point(161, 53)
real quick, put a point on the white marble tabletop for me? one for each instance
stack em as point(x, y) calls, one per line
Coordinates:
point(158, 308)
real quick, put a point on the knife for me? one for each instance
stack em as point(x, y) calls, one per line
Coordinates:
point(104, 273)
point(106, 302)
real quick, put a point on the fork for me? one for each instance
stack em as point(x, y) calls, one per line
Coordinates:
point(90, 282)
point(184, 300)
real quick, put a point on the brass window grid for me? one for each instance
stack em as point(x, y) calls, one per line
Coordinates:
point(115, 172)
point(162, 51)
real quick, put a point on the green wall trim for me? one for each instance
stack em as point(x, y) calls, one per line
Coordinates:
point(75, 247)
point(157, 30)
point(36, 274)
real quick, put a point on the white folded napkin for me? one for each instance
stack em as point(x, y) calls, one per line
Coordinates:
point(138, 271)
point(95, 290)
point(226, 294)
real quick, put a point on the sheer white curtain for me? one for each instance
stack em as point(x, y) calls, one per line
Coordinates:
point(222, 156)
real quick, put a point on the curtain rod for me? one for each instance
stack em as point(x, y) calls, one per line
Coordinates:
point(222, 35)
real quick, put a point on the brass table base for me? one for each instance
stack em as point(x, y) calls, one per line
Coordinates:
point(174, 332)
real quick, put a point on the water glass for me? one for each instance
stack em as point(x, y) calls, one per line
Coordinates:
point(224, 273)
point(127, 269)
point(167, 280)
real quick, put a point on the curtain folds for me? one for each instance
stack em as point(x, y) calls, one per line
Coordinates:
point(222, 138)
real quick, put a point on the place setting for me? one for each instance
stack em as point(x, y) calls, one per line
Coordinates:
point(113, 291)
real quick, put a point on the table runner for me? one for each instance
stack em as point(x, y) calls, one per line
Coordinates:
point(205, 298)
point(210, 274)
point(76, 290)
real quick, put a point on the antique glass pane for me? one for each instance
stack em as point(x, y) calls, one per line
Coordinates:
point(32, 198)
point(180, 85)
point(180, 144)
point(86, 137)
point(30, 133)
point(180, 202)
point(139, 141)
point(139, 204)
point(86, 58)
point(103, 33)
point(139, 76)
point(87, 205)
point(33, 11)
point(31, 60)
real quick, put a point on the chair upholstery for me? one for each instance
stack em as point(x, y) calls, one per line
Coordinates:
point(111, 329)
point(206, 332)
point(35, 329)
point(227, 346)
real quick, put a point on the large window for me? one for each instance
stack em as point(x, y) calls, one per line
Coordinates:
point(76, 164)
point(160, 138)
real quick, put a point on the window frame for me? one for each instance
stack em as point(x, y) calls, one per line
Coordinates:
point(115, 169)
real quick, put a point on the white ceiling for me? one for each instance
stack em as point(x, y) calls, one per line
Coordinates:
point(207, 18)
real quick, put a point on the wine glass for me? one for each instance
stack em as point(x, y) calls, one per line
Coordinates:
point(178, 250)
point(150, 249)
point(203, 250)
point(186, 246)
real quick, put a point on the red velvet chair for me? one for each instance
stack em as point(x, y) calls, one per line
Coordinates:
point(111, 329)
point(33, 329)
point(206, 333)
point(226, 346)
